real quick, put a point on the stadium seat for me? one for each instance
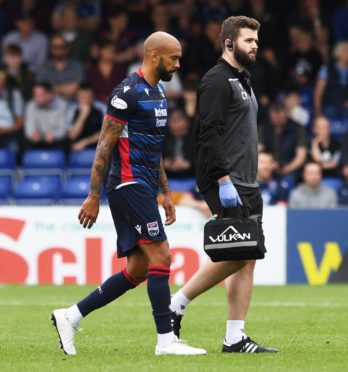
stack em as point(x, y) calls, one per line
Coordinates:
point(7, 162)
point(40, 162)
point(180, 185)
point(75, 189)
point(333, 182)
point(35, 190)
point(80, 162)
point(5, 189)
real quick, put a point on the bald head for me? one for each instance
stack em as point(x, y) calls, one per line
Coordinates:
point(162, 52)
point(161, 42)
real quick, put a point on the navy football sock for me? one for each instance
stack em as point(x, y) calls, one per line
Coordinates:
point(159, 295)
point(112, 288)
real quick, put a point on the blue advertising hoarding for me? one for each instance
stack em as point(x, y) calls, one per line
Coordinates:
point(317, 242)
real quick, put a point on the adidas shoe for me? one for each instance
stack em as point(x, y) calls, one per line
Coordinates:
point(179, 347)
point(176, 323)
point(246, 345)
point(66, 331)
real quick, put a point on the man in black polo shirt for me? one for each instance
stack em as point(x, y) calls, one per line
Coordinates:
point(226, 168)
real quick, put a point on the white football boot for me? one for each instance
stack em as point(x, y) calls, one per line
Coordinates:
point(66, 331)
point(179, 347)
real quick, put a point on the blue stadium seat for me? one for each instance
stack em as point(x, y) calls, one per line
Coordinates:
point(7, 162)
point(334, 182)
point(75, 189)
point(180, 185)
point(5, 189)
point(80, 162)
point(40, 162)
point(36, 190)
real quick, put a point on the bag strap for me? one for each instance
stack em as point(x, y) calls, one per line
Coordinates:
point(242, 210)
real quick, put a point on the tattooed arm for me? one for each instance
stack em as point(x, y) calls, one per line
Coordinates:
point(168, 204)
point(111, 130)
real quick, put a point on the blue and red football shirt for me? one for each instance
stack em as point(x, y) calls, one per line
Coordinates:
point(142, 109)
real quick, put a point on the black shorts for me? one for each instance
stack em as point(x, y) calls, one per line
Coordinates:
point(137, 220)
point(252, 205)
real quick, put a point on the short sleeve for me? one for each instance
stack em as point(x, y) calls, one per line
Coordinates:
point(122, 103)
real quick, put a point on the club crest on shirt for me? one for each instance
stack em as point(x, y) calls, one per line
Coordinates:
point(119, 103)
point(152, 228)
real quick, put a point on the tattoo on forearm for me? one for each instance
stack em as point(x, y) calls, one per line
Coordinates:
point(162, 178)
point(109, 135)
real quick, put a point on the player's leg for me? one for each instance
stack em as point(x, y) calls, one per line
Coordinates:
point(67, 320)
point(159, 295)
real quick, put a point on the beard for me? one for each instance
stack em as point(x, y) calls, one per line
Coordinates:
point(163, 73)
point(243, 58)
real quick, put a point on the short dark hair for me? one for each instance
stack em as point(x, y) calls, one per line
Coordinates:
point(45, 85)
point(85, 85)
point(277, 106)
point(231, 26)
point(13, 49)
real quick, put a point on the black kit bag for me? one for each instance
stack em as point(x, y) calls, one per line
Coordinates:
point(233, 239)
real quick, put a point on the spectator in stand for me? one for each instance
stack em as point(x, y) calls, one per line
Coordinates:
point(18, 75)
point(86, 121)
point(78, 40)
point(62, 73)
point(120, 34)
point(105, 74)
point(303, 56)
point(309, 15)
point(285, 140)
point(172, 88)
point(325, 150)
point(88, 12)
point(339, 23)
point(331, 91)
point(45, 119)
point(178, 146)
point(273, 191)
point(296, 112)
point(11, 115)
point(312, 193)
point(343, 191)
point(207, 46)
point(213, 9)
point(33, 43)
point(39, 10)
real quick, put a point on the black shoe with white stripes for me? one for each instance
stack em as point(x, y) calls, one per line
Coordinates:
point(247, 346)
point(176, 323)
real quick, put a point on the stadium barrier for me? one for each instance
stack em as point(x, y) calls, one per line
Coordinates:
point(46, 245)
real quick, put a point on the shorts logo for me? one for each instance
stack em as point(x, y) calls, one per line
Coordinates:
point(152, 228)
point(138, 228)
point(119, 103)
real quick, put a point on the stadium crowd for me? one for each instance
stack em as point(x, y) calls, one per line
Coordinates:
point(61, 59)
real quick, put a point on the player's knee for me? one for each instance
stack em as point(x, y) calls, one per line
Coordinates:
point(137, 275)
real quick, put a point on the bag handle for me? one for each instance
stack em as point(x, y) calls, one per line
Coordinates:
point(234, 212)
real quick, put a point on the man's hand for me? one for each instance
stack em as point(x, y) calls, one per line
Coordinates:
point(89, 211)
point(228, 195)
point(169, 208)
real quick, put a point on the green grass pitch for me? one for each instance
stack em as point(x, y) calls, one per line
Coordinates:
point(308, 324)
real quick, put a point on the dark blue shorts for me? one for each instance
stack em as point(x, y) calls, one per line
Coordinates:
point(134, 209)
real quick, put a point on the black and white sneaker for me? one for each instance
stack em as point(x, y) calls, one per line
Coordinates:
point(247, 346)
point(176, 323)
